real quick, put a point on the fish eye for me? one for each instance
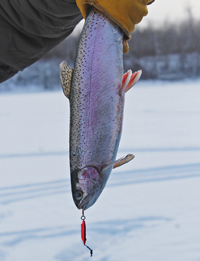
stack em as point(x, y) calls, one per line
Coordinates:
point(78, 194)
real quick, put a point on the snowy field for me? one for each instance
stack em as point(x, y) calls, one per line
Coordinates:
point(150, 209)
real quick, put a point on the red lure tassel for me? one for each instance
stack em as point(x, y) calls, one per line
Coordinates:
point(83, 232)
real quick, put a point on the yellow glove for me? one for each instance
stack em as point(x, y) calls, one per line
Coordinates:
point(125, 13)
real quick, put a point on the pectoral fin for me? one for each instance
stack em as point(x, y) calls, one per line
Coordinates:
point(123, 160)
point(66, 77)
point(119, 162)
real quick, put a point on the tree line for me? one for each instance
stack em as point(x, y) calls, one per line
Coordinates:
point(168, 52)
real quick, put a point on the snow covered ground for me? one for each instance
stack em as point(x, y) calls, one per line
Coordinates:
point(150, 209)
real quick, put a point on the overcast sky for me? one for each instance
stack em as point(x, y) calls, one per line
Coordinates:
point(170, 10)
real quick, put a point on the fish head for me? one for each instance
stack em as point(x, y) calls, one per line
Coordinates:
point(87, 184)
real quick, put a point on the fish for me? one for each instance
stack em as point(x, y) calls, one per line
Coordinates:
point(96, 90)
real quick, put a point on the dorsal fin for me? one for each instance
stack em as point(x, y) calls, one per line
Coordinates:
point(129, 79)
point(66, 77)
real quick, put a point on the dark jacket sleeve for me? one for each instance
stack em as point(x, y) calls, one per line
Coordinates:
point(31, 28)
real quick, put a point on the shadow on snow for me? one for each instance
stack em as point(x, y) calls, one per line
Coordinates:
point(30, 191)
point(60, 153)
point(110, 227)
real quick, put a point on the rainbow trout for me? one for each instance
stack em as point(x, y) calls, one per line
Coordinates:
point(96, 89)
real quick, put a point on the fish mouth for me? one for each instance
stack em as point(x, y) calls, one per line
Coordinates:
point(90, 198)
point(83, 205)
point(88, 201)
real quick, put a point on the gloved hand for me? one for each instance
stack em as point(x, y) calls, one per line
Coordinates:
point(125, 13)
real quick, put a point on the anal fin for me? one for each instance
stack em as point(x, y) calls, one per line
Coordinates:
point(66, 77)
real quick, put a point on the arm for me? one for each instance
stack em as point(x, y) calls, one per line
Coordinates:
point(29, 29)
